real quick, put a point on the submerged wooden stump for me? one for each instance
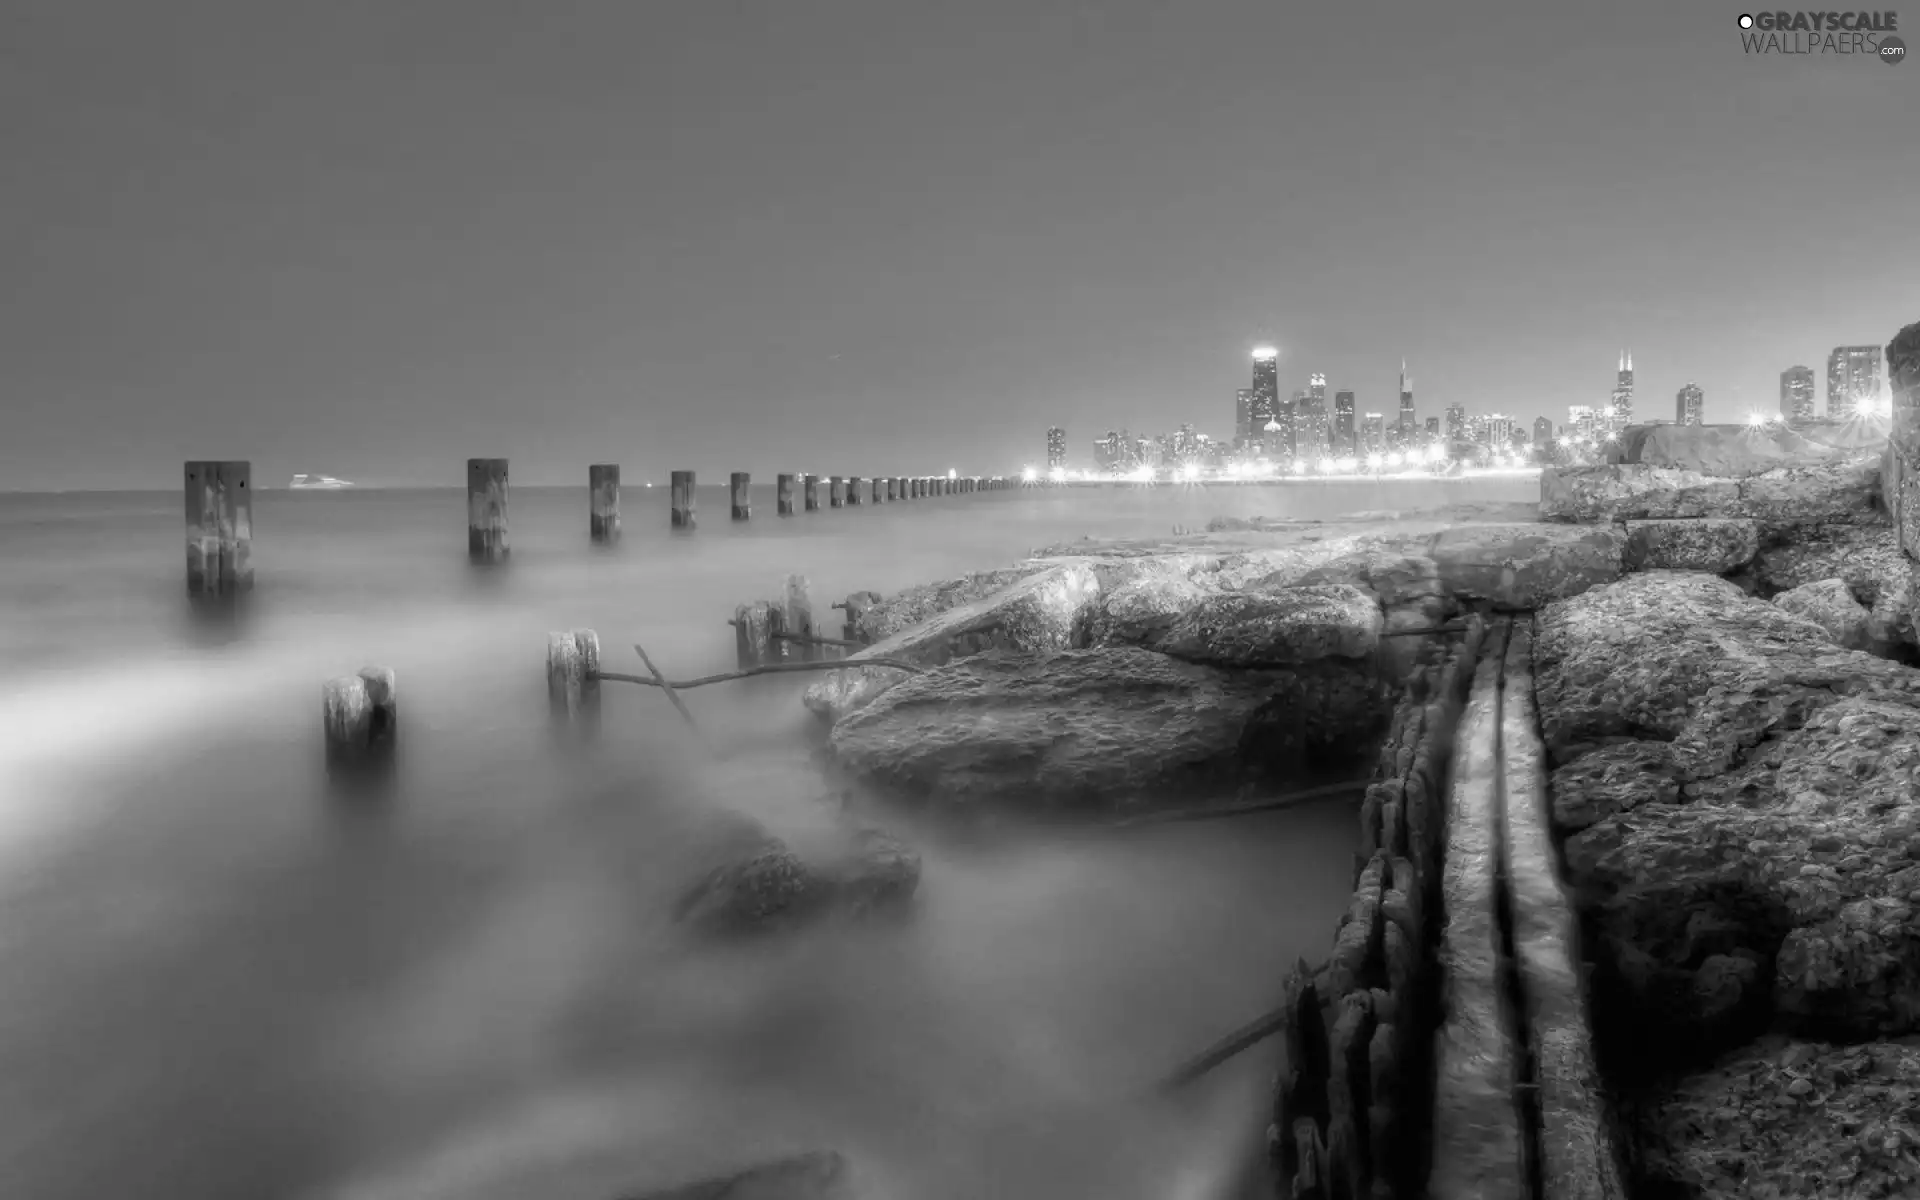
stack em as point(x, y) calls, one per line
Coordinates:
point(682, 514)
point(853, 489)
point(603, 502)
point(219, 509)
point(740, 487)
point(879, 491)
point(813, 493)
point(487, 509)
point(783, 495)
point(836, 492)
point(856, 607)
point(893, 488)
point(359, 720)
point(752, 634)
point(573, 676)
point(799, 620)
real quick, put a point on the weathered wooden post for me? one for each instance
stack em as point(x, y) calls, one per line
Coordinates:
point(1900, 470)
point(799, 620)
point(603, 502)
point(893, 488)
point(783, 495)
point(879, 491)
point(487, 509)
point(219, 498)
point(813, 493)
point(836, 492)
point(752, 633)
point(359, 718)
point(573, 677)
point(741, 489)
point(682, 513)
point(853, 490)
point(857, 606)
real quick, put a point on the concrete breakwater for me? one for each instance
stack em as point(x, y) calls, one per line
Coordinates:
point(1627, 722)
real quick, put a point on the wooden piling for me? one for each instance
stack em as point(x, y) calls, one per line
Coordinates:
point(856, 606)
point(836, 492)
point(487, 509)
point(893, 489)
point(573, 676)
point(603, 502)
point(853, 490)
point(879, 490)
point(813, 493)
point(740, 490)
point(682, 513)
point(799, 619)
point(359, 719)
point(751, 630)
point(219, 511)
point(783, 495)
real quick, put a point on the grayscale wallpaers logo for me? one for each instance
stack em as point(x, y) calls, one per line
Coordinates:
point(1867, 34)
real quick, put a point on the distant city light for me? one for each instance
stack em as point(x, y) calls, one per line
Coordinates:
point(1190, 471)
point(1376, 461)
point(952, 474)
point(1436, 452)
point(1030, 474)
point(1265, 353)
point(1057, 475)
point(1756, 420)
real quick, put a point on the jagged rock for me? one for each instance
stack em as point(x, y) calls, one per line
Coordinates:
point(822, 1175)
point(1039, 611)
point(1279, 628)
point(1095, 728)
point(1143, 610)
point(1613, 779)
point(1525, 566)
point(1829, 603)
point(1717, 545)
point(1900, 487)
point(1842, 491)
point(1734, 451)
point(1866, 556)
point(1804, 1118)
point(908, 608)
point(1797, 836)
point(1633, 493)
point(772, 885)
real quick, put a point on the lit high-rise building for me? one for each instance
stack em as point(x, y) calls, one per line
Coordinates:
point(1688, 405)
point(1494, 431)
point(1797, 396)
point(1343, 428)
point(1243, 434)
point(1375, 433)
point(1433, 430)
point(1408, 422)
point(1456, 422)
point(1312, 425)
point(1542, 431)
point(1056, 448)
point(1853, 375)
point(1622, 400)
point(1265, 408)
point(1582, 421)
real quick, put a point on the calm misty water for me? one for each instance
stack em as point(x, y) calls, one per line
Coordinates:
point(215, 983)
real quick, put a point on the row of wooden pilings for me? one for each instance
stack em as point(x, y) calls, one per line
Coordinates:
point(360, 713)
point(220, 509)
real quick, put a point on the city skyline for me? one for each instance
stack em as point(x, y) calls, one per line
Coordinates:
point(712, 238)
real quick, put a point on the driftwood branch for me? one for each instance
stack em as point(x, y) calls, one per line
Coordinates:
point(843, 664)
point(660, 681)
point(1243, 1038)
point(1456, 628)
point(1213, 812)
point(813, 640)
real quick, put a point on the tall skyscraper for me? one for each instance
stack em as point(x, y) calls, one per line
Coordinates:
point(1688, 404)
point(1313, 427)
point(1542, 431)
point(1374, 440)
point(1582, 421)
point(1796, 395)
point(1243, 434)
point(1853, 375)
point(1456, 422)
point(1622, 399)
point(1266, 394)
point(1056, 448)
point(1433, 430)
point(1343, 428)
point(1407, 419)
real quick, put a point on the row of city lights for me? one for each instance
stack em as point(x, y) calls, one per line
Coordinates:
point(1375, 463)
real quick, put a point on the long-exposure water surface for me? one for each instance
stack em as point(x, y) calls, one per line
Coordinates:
point(217, 983)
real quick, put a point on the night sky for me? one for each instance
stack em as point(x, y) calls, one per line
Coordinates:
point(372, 238)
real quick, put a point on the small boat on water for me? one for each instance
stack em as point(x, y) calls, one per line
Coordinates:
point(318, 482)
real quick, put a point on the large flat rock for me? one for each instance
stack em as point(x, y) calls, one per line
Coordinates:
point(1279, 628)
point(1524, 566)
point(1717, 545)
point(1092, 728)
point(1737, 451)
point(1867, 558)
point(1839, 491)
